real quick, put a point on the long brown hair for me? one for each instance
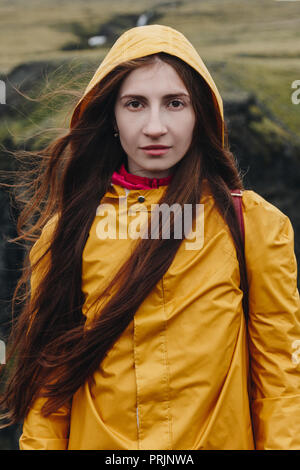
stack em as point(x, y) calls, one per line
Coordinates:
point(57, 353)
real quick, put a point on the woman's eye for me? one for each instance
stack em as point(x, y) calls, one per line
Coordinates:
point(133, 104)
point(177, 101)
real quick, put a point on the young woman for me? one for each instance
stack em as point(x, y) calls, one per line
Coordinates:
point(143, 331)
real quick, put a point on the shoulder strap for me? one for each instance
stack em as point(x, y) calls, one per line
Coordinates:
point(237, 199)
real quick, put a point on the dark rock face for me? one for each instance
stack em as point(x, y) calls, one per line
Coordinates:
point(25, 77)
point(111, 30)
point(268, 156)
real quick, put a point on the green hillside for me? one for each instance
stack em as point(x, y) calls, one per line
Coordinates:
point(252, 45)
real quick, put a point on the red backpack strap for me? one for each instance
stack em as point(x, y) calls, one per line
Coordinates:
point(237, 199)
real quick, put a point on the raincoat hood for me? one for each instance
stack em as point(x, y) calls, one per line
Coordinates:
point(146, 40)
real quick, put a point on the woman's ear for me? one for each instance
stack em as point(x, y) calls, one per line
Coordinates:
point(115, 126)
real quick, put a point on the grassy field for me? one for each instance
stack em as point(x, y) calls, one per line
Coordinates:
point(248, 44)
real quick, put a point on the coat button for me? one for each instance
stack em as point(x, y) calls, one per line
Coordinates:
point(141, 199)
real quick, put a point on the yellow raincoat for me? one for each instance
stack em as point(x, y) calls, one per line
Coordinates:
point(185, 374)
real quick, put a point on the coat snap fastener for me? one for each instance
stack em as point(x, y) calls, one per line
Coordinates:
point(141, 199)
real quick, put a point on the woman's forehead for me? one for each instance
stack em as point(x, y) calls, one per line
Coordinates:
point(143, 80)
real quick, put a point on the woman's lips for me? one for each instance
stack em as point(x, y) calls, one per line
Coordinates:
point(156, 151)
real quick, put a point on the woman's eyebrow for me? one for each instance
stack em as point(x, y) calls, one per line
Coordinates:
point(169, 95)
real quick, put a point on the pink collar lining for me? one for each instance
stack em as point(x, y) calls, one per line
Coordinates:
point(130, 181)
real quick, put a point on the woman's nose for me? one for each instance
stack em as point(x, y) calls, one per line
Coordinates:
point(154, 125)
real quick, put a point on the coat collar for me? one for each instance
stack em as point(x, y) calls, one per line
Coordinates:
point(130, 181)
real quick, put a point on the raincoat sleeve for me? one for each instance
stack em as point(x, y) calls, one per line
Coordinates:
point(44, 433)
point(50, 433)
point(274, 328)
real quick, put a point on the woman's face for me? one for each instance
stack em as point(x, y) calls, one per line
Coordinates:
point(146, 115)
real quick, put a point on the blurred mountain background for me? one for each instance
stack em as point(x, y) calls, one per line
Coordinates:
point(251, 48)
